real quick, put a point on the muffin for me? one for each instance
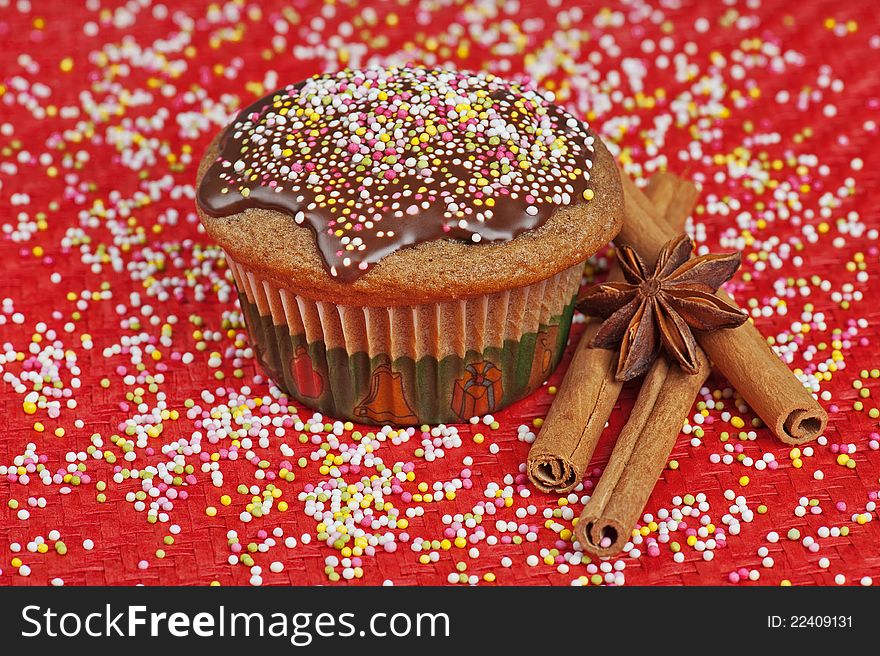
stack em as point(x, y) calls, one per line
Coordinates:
point(408, 243)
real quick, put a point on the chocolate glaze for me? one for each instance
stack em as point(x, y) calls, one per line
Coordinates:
point(258, 155)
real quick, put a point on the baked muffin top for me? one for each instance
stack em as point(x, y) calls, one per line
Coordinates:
point(373, 164)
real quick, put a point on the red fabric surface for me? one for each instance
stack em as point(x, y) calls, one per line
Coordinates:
point(771, 107)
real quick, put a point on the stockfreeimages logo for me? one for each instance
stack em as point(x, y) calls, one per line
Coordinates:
point(300, 629)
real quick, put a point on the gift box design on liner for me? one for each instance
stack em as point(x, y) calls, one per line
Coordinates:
point(479, 392)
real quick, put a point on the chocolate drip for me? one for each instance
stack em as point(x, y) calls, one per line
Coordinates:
point(491, 160)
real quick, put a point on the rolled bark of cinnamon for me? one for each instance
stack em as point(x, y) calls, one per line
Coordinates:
point(643, 446)
point(741, 354)
point(639, 455)
point(561, 453)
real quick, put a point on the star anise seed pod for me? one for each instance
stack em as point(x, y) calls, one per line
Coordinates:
point(659, 309)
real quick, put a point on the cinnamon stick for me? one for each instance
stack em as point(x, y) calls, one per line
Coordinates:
point(560, 455)
point(642, 448)
point(664, 400)
point(741, 354)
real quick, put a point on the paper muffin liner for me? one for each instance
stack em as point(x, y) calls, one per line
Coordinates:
point(422, 364)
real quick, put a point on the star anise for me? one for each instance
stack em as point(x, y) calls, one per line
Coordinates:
point(657, 309)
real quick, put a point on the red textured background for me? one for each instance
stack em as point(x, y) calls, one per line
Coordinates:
point(771, 107)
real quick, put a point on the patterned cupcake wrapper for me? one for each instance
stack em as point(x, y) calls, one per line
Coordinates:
point(434, 363)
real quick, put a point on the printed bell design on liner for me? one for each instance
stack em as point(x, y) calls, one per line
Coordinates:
point(309, 381)
point(479, 392)
point(545, 348)
point(386, 401)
